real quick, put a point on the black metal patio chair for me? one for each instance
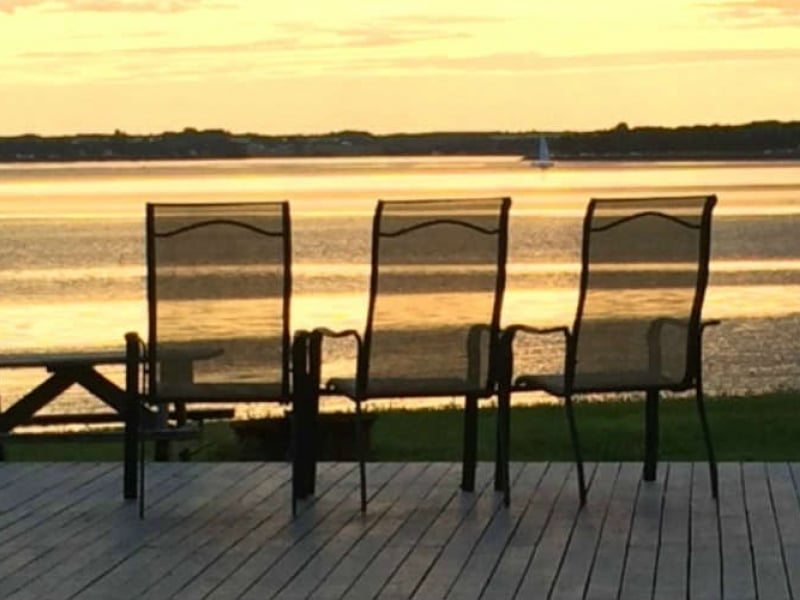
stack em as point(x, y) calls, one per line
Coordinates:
point(436, 291)
point(638, 324)
point(219, 286)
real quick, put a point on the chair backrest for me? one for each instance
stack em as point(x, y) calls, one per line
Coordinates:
point(438, 270)
point(643, 280)
point(219, 293)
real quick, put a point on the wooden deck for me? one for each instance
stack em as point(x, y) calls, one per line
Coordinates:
point(225, 530)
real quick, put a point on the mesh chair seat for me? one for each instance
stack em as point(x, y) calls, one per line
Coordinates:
point(596, 383)
point(392, 387)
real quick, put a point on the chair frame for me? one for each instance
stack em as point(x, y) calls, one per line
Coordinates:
point(142, 357)
point(308, 408)
point(693, 377)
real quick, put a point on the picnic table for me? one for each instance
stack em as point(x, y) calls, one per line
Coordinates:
point(65, 369)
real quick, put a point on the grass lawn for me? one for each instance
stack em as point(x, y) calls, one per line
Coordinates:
point(763, 428)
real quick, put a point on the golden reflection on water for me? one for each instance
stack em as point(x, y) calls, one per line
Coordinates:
point(337, 187)
point(101, 324)
point(61, 299)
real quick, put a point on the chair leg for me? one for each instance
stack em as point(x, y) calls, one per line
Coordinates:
point(650, 435)
point(302, 443)
point(470, 443)
point(712, 461)
point(573, 432)
point(296, 463)
point(141, 471)
point(310, 428)
point(131, 448)
point(502, 477)
point(362, 471)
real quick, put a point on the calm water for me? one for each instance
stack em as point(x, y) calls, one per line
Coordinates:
point(72, 267)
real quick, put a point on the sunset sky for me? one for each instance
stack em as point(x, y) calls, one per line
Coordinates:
point(315, 66)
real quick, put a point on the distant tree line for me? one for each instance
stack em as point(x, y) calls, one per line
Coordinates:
point(764, 139)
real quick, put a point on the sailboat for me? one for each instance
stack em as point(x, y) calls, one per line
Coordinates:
point(544, 162)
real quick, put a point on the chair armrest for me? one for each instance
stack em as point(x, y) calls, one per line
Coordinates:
point(315, 350)
point(475, 356)
point(508, 333)
point(654, 338)
point(506, 350)
point(320, 333)
point(136, 366)
point(660, 322)
point(323, 332)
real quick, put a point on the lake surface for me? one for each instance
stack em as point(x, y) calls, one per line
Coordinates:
point(72, 246)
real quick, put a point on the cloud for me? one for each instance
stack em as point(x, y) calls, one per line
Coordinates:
point(110, 6)
point(292, 56)
point(395, 31)
point(531, 61)
point(757, 13)
point(295, 37)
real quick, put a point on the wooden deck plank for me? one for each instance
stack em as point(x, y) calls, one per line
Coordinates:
point(26, 488)
point(673, 556)
point(407, 578)
point(307, 562)
point(20, 524)
point(448, 564)
point(76, 544)
point(546, 561)
point(225, 531)
point(365, 550)
point(330, 562)
point(639, 575)
point(737, 558)
point(265, 502)
point(103, 550)
point(705, 579)
point(406, 538)
point(174, 547)
point(510, 569)
point(482, 563)
point(573, 577)
point(771, 576)
point(40, 507)
point(164, 524)
point(280, 556)
point(27, 541)
point(787, 510)
point(12, 473)
point(607, 569)
point(249, 547)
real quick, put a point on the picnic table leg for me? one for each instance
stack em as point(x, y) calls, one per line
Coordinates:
point(23, 409)
point(650, 435)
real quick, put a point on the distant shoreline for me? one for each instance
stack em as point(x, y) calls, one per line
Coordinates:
point(762, 141)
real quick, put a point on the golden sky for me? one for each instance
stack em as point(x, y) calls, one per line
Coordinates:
point(314, 66)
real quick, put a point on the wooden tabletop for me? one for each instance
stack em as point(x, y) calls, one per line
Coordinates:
point(61, 359)
point(50, 360)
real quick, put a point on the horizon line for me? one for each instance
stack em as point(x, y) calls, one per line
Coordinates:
point(354, 131)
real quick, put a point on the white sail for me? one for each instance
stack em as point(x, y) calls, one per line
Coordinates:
point(544, 154)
